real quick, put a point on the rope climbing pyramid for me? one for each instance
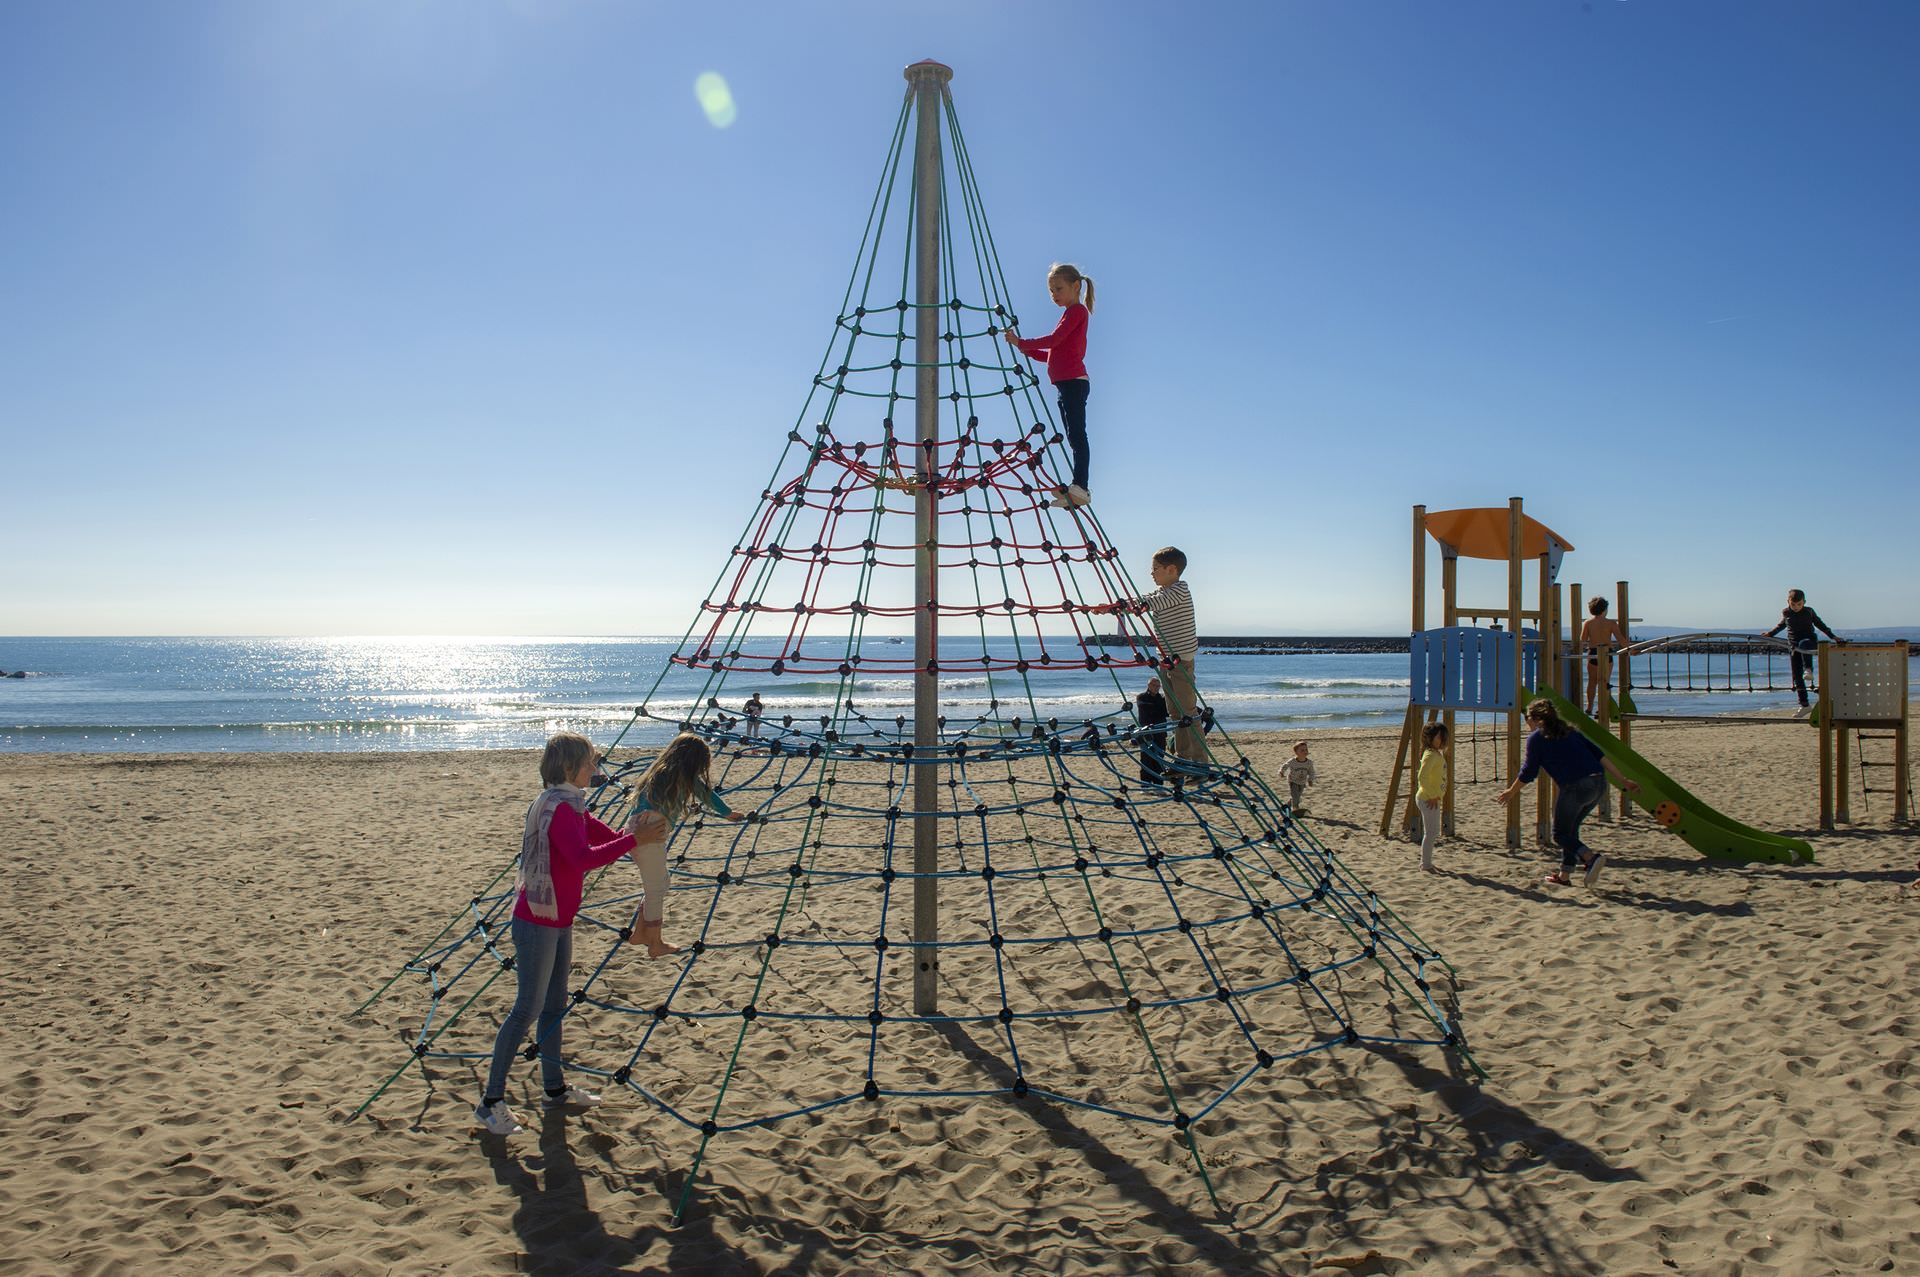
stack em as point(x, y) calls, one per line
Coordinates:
point(978, 901)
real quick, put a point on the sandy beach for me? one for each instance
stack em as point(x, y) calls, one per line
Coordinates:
point(1692, 1068)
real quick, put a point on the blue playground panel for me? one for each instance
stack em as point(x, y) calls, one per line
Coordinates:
point(1466, 667)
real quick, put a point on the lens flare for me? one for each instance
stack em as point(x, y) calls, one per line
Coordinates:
point(716, 99)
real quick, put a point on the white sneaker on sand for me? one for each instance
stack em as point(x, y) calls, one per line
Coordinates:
point(495, 1118)
point(573, 1097)
point(1594, 867)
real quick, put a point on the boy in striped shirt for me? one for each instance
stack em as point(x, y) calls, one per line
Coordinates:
point(1171, 608)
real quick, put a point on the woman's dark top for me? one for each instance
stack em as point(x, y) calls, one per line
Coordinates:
point(1572, 757)
point(1150, 708)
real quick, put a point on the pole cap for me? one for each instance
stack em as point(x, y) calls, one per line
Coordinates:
point(927, 71)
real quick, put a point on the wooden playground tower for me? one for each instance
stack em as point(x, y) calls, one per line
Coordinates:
point(1863, 690)
point(1464, 667)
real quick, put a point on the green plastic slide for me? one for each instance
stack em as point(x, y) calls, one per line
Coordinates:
point(1704, 829)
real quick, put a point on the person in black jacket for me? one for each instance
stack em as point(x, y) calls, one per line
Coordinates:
point(1800, 621)
point(1150, 707)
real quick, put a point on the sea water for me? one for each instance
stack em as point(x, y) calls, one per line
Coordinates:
point(266, 694)
point(250, 694)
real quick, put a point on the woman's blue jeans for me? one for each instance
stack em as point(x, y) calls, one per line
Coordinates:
point(1573, 804)
point(542, 958)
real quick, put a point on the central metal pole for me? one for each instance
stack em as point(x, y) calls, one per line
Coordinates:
point(929, 80)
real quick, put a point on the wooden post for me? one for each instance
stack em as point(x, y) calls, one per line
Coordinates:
point(1449, 617)
point(1419, 624)
point(1842, 778)
point(1826, 743)
point(1626, 723)
point(1419, 568)
point(1516, 716)
point(1409, 729)
point(1543, 677)
point(1577, 669)
point(1900, 804)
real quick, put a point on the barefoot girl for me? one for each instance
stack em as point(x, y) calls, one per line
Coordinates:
point(662, 797)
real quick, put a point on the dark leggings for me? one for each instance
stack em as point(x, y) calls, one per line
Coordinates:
point(1073, 411)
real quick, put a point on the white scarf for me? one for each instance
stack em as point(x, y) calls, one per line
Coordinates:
point(536, 855)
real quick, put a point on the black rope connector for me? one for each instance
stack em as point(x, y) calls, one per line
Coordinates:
point(1080, 863)
point(986, 873)
point(1133, 1006)
point(709, 1127)
point(749, 1012)
point(773, 939)
point(532, 1051)
point(723, 877)
point(1020, 1088)
point(888, 874)
point(794, 870)
point(1106, 933)
point(1006, 1015)
point(1353, 1036)
point(1181, 1121)
point(875, 1019)
point(1186, 926)
point(419, 1050)
point(997, 940)
point(622, 1075)
point(579, 996)
point(1263, 1058)
point(660, 1012)
point(870, 1091)
point(879, 946)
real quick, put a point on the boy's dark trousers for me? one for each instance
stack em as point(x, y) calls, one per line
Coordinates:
point(1802, 661)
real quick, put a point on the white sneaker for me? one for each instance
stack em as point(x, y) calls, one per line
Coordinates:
point(1078, 496)
point(495, 1118)
point(1594, 867)
point(574, 1097)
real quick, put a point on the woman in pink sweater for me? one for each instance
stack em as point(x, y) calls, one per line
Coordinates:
point(561, 844)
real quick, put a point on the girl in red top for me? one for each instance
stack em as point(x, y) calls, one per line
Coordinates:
point(1064, 351)
point(561, 844)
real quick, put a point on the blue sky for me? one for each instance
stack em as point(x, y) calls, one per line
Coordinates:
point(442, 317)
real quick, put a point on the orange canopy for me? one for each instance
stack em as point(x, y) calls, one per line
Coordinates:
point(1482, 534)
